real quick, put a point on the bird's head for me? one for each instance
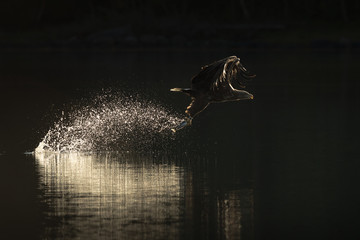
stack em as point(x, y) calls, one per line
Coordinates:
point(243, 95)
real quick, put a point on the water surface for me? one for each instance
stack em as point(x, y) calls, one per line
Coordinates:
point(282, 166)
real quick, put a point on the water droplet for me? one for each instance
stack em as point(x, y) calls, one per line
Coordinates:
point(116, 123)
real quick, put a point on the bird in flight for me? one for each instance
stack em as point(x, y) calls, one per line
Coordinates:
point(214, 84)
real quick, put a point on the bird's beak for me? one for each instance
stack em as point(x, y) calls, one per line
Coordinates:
point(252, 97)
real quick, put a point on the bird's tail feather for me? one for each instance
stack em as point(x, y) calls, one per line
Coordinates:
point(184, 90)
point(176, 89)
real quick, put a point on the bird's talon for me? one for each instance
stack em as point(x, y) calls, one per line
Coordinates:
point(189, 121)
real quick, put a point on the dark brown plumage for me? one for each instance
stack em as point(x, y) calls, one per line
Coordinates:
point(214, 84)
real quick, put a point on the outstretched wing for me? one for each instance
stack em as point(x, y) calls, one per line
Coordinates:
point(220, 74)
point(196, 106)
point(215, 75)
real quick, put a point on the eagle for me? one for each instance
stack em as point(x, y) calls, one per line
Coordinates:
point(214, 84)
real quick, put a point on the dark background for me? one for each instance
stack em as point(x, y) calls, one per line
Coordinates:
point(304, 145)
point(233, 23)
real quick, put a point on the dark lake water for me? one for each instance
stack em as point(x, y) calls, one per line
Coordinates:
point(284, 165)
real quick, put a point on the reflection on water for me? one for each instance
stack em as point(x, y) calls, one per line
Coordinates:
point(103, 195)
point(122, 196)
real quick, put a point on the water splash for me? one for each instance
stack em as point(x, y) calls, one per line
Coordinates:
point(111, 123)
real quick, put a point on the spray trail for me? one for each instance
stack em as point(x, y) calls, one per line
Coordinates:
point(111, 123)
